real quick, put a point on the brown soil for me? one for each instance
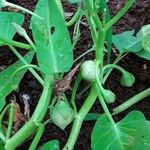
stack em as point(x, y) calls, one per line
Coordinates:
point(138, 16)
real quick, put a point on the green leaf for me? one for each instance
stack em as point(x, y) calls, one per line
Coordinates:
point(54, 50)
point(126, 42)
point(7, 30)
point(51, 145)
point(146, 37)
point(92, 116)
point(143, 54)
point(131, 133)
point(6, 77)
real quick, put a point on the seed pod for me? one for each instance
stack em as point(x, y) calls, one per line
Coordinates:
point(109, 96)
point(127, 79)
point(88, 69)
point(62, 114)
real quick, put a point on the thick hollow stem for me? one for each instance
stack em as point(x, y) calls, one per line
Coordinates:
point(133, 100)
point(79, 119)
point(29, 128)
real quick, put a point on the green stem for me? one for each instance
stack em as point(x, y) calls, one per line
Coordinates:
point(2, 115)
point(88, 51)
point(15, 43)
point(75, 88)
point(30, 41)
point(133, 100)
point(100, 48)
point(74, 18)
point(2, 137)
point(113, 66)
point(26, 63)
point(20, 69)
point(119, 14)
point(120, 56)
point(76, 32)
point(99, 90)
point(29, 128)
point(92, 28)
point(108, 114)
point(79, 119)
point(10, 123)
point(37, 137)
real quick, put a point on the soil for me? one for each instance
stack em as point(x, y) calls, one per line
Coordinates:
point(138, 16)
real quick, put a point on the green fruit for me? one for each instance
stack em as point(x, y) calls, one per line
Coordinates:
point(62, 114)
point(88, 71)
point(127, 79)
point(109, 96)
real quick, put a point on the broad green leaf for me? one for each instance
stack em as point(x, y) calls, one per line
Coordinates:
point(144, 54)
point(7, 31)
point(6, 77)
point(54, 50)
point(51, 145)
point(131, 133)
point(126, 42)
point(146, 37)
point(92, 116)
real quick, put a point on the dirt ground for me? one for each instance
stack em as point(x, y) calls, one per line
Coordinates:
point(138, 16)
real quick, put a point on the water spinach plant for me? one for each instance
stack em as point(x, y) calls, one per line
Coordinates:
point(53, 49)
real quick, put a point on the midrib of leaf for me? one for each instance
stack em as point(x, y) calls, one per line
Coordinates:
point(133, 44)
point(50, 40)
point(118, 136)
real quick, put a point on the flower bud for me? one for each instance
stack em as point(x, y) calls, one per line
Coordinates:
point(21, 31)
point(88, 71)
point(127, 79)
point(62, 114)
point(109, 96)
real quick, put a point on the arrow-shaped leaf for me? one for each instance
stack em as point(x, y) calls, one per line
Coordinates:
point(54, 50)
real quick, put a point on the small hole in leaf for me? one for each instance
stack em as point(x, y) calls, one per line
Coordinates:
point(52, 30)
